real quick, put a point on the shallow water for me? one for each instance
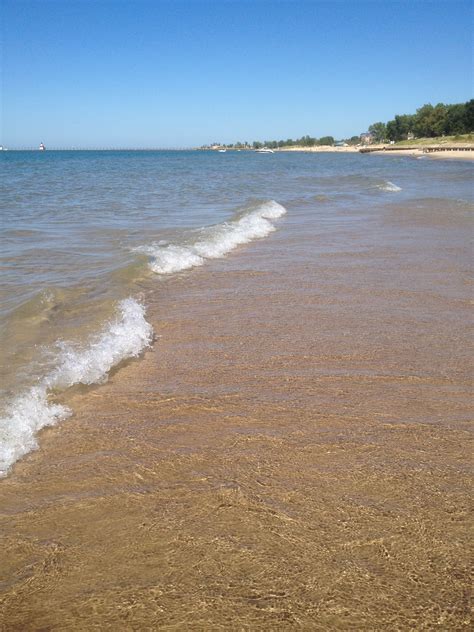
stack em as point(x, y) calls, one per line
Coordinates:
point(83, 231)
point(292, 450)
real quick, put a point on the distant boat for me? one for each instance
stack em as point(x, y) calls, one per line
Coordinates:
point(42, 147)
point(222, 151)
point(264, 150)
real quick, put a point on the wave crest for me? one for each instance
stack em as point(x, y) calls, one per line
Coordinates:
point(389, 186)
point(215, 241)
point(123, 338)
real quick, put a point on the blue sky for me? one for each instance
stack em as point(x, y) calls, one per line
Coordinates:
point(142, 73)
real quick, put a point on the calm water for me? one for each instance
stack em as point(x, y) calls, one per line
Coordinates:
point(86, 234)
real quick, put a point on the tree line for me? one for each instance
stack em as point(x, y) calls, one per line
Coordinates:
point(304, 141)
point(429, 121)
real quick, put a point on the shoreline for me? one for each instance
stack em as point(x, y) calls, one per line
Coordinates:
point(414, 153)
point(437, 155)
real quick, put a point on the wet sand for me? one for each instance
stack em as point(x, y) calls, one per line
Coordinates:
point(292, 453)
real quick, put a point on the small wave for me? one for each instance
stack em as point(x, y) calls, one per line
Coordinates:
point(123, 338)
point(215, 241)
point(389, 186)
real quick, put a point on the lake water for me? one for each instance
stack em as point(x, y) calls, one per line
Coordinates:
point(86, 236)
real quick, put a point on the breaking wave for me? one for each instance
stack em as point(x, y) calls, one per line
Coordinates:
point(215, 241)
point(389, 186)
point(124, 337)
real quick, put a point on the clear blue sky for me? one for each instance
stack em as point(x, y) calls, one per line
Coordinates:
point(143, 73)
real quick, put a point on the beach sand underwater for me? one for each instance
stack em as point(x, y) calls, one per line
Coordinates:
point(263, 400)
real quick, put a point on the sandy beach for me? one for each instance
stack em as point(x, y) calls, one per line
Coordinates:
point(415, 153)
point(291, 453)
point(438, 155)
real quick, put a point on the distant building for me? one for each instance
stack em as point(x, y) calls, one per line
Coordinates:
point(410, 136)
point(340, 143)
point(367, 138)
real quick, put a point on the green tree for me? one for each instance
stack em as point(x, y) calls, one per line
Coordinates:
point(422, 126)
point(439, 120)
point(431, 121)
point(326, 140)
point(469, 117)
point(378, 131)
point(400, 127)
point(353, 140)
point(310, 141)
point(455, 119)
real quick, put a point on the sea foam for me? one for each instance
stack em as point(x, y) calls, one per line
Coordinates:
point(124, 337)
point(389, 186)
point(214, 241)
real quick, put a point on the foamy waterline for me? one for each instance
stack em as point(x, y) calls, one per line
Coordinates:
point(215, 241)
point(122, 338)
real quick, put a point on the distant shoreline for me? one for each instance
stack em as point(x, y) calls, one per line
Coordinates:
point(439, 154)
point(350, 149)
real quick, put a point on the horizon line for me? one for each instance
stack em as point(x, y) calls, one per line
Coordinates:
point(100, 148)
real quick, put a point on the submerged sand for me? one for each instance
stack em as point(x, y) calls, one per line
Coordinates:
point(292, 453)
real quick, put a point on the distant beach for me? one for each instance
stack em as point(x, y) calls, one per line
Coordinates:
point(415, 153)
point(439, 154)
point(322, 149)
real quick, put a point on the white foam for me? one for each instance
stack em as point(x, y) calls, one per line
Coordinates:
point(215, 241)
point(389, 186)
point(25, 415)
point(172, 258)
point(125, 337)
